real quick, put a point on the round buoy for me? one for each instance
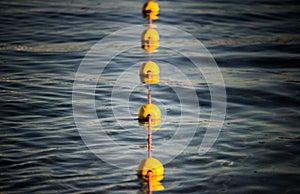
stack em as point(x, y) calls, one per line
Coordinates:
point(149, 73)
point(150, 165)
point(150, 10)
point(148, 110)
point(149, 67)
point(150, 40)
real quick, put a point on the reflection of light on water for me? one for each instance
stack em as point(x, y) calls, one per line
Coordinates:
point(50, 47)
point(286, 38)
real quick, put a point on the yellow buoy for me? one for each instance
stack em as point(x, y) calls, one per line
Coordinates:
point(149, 110)
point(150, 40)
point(149, 67)
point(150, 10)
point(153, 165)
point(149, 73)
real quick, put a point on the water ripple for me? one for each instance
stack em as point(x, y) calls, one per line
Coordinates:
point(256, 45)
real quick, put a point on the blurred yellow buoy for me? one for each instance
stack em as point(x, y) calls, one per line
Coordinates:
point(153, 165)
point(150, 10)
point(148, 110)
point(149, 73)
point(149, 67)
point(150, 40)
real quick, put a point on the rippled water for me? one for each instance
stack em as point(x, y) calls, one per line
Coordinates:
point(255, 44)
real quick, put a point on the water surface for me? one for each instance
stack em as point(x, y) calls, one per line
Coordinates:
point(255, 44)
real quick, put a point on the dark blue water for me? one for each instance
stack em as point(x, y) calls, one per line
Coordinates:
point(255, 44)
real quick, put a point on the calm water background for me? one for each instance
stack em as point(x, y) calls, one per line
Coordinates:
point(255, 43)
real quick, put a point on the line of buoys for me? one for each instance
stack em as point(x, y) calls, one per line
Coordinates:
point(150, 169)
